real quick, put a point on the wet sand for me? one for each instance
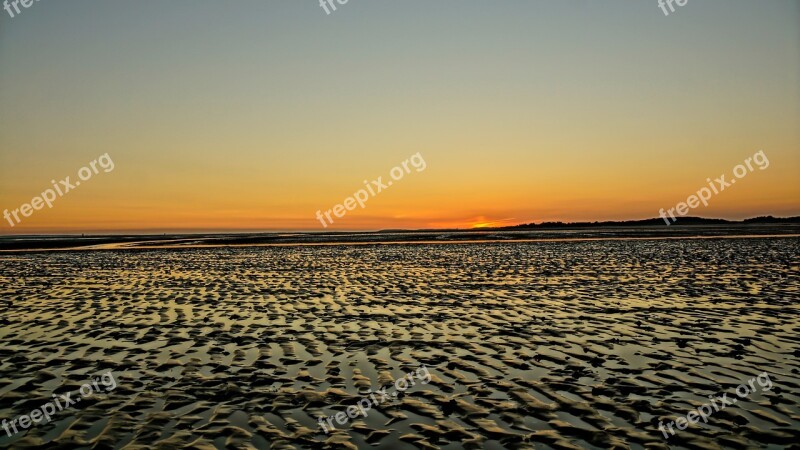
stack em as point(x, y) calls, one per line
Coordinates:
point(566, 344)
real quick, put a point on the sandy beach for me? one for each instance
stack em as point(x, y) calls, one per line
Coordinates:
point(584, 344)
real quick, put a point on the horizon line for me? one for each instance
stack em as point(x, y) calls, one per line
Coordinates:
point(236, 231)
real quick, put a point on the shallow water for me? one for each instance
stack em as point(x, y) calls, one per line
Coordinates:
point(530, 345)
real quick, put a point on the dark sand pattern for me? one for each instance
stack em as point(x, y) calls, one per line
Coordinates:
point(535, 345)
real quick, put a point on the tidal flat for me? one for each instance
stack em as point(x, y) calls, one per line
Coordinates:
point(584, 344)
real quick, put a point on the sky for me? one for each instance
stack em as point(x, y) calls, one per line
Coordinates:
point(253, 115)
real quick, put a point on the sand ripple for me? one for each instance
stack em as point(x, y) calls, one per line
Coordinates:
point(530, 345)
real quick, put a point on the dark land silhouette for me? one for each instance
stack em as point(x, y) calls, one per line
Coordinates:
point(685, 227)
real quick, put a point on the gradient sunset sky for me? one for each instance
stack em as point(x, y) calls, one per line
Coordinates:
point(253, 115)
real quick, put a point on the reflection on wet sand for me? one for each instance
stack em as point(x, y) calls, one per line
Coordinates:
point(581, 344)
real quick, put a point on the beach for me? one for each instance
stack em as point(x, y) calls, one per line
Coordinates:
point(563, 344)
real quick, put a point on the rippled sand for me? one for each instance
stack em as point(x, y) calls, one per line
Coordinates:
point(530, 345)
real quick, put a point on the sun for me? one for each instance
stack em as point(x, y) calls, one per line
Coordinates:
point(480, 222)
point(483, 225)
point(485, 222)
